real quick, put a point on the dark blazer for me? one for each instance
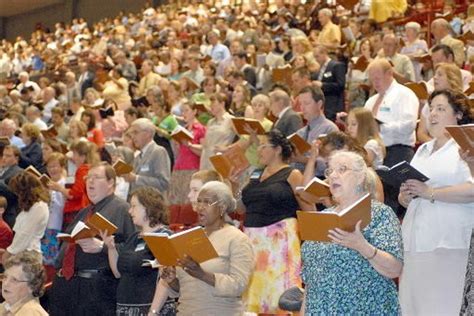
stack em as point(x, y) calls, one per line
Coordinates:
point(250, 76)
point(289, 123)
point(10, 213)
point(86, 82)
point(31, 155)
point(333, 84)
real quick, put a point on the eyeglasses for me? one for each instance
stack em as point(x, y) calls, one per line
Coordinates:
point(340, 170)
point(9, 278)
point(94, 178)
point(205, 203)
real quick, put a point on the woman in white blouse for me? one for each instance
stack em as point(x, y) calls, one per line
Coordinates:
point(440, 215)
point(213, 287)
point(31, 222)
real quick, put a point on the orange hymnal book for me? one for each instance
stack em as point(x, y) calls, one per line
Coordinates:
point(90, 229)
point(419, 88)
point(464, 136)
point(121, 167)
point(181, 135)
point(192, 242)
point(316, 225)
point(44, 178)
point(422, 58)
point(255, 125)
point(51, 132)
point(317, 187)
point(232, 159)
point(300, 144)
point(361, 64)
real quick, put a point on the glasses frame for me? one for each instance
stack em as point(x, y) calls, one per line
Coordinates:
point(340, 170)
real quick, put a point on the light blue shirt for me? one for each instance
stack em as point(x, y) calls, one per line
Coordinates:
point(17, 141)
point(219, 53)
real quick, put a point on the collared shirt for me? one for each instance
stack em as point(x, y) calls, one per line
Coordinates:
point(219, 53)
point(330, 34)
point(17, 141)
point(25, 307)
point(144, 149)
point(399, 113)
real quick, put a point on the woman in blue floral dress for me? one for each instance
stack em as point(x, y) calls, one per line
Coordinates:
point(353, 273)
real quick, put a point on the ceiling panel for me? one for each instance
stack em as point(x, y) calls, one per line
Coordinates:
point(14, 7)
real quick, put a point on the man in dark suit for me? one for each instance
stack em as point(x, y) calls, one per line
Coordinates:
point(331, 78)
point(86, 78)
point(241, 62)
point(288, 121)
point(152, 166)
point(9, 169)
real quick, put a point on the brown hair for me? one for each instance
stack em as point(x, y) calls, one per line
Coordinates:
point(56, 156)
point(459, 103)
point(87, 149)
point(156, 209)
point(3, 202)
point(367, 127)
point(109, 171)
point(91, 117)
point(206, 176)
point(29, 190)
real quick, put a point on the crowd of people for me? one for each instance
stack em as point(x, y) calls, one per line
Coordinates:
point(77, 99)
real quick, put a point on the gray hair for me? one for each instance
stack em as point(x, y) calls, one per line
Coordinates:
point(144, 124)
point(326, 12)
point(357, 164)
point(414, 26)
point(280, 95)
point(223, 193)
point(261, 98)
point(157, 93)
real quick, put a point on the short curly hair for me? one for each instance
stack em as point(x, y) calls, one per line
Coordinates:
point(32, 268)
point(276, 138)
point(459, 103)
point(156, 208)
point(31, 130)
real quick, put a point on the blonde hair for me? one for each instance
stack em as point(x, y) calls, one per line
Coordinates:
point(454, 75)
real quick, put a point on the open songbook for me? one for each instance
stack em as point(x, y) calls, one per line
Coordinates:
point(316, 225)
point(318, 188)
point(90, 229)
point(192, 242)
point(300, 144)
point(181, 135)
point(121, 167)
point(44, 178)
point(255, 125)
point(400, 173)
point(464, 136)
point(233, 159)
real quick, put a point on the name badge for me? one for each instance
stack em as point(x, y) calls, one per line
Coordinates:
point(145, 168)
point(140, 247)
point(256, 175)
point(327, 75)
point(384, 109)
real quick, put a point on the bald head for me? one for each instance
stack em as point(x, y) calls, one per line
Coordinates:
point(380, 74)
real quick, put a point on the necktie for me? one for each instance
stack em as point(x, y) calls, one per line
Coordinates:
point(378, 102)
point(70, 254)
point(306, 133)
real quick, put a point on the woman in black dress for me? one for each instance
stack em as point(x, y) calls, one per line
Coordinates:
point(137, 282)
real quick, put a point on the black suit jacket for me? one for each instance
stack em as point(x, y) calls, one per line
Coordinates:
point(31, 155)
point(10, 213)
point(289, 123)
point(250, 76)
point(87, 82)
point(333, 84)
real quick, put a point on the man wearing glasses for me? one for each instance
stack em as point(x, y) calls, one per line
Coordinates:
point(84, 284)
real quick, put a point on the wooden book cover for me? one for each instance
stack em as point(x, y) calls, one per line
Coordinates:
point(399, 173)
point(80, 231)
point(300, 144)
point(99, 223)
point(282, 75)
point(121, 167)
point(181, 135)
point(419, 88)
point(44, 178)
point(51, 132)
point(468, 36)
point(361, 64)
point(5, 140)
point(422, 58)
point(316, 225)
point(464, 136)
point(233, 158)
point(255, 125)
point(192, 242)
point(470, 90)
point(318, 188)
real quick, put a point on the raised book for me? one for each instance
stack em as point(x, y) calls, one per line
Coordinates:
point(318, 188)
point(361, 64)
point(464, 136)
point(241, 122)
point(400, 173)
point(316, 225)
point(419, 88)
point(51, 132)
point(231, 160)
point(300, 144)
point(181, 135)
point(169, 249)
point(121, 167)
point(44, 178)
point(90, 228)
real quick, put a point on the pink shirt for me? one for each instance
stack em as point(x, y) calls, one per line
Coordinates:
point(187, 160)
